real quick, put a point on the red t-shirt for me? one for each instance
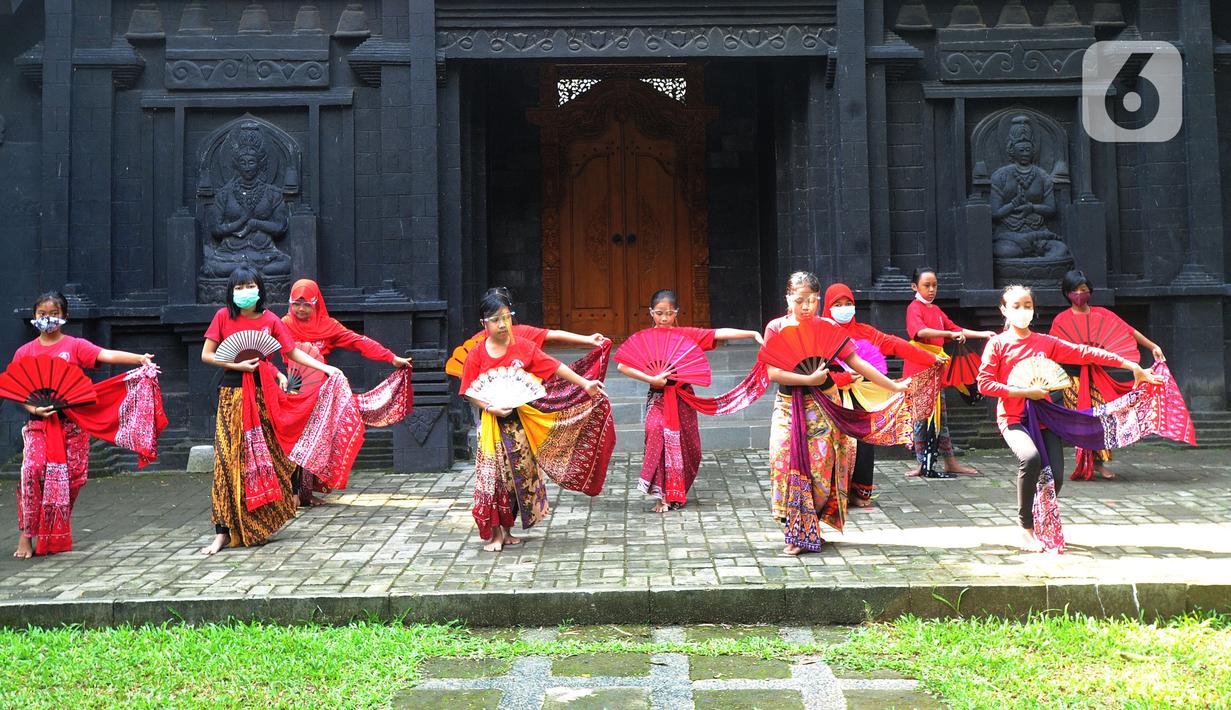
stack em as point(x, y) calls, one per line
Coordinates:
point(71, 349)
point(522, 354)
point(223, 326)
point(534, 334)
point(920, 315)
point(1006, 350)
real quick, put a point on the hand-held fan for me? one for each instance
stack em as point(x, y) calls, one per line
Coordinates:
point(962, 368)
point(803, 347)
point(246, 345)
point(46, 381)
point(457, 363)
point(300, 377)
point(1038, 372)
point(872, 355)
point(665, 352)
point(506, 387)
point(1100, 329)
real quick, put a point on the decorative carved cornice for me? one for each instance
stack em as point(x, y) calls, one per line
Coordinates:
point(1018, 53)
point(374, 53)
point(614, 42)
point(125, 64)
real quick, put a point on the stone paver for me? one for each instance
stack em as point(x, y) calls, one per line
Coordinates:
point(390, 539)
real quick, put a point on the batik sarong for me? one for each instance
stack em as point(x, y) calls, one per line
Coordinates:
point(1092, 387)
point(127, 412)
point(672, 439)
point(565, 436)
point(810, 467)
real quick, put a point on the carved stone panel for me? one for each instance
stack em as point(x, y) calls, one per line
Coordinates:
point(1018, 53)
point(243, 62)
point(249, 170)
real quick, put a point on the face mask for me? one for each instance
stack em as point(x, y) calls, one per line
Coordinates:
point(246, 297)
point(1020, 318)
point(47, 324)
point(843, 314)
point(1078, 298)
point(919, 297)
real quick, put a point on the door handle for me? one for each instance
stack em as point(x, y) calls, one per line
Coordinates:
point(616, 239)
point(632, 238)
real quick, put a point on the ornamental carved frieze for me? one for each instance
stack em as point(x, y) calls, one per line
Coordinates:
point(240, 62)
point(784, 40)
point(1022, 54)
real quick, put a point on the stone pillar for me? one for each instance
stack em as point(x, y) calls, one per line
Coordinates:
point(1206, 241)
point(854, 226)
point(56, 140)
point(425, 261)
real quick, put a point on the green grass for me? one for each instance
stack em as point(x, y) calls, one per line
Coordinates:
point(362, 665)
point(1054, 662)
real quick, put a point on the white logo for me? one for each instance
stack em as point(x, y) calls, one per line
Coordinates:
point(517, 363)
point(1132, 92)
point(62, 356)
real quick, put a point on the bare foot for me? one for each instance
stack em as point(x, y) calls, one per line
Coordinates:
point(25, 549)
point(1105, 472)
point(795, 550)
point(952, 466)
point(509, 540)
point(311, 501)
point(659, 507)
point(914, 472)
point(1030, 543)
point(221, 540)
point(497, 543)
point(861, 502)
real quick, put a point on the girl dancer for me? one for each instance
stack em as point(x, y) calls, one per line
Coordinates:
point(840, 308)
point(803, 499)
point(41, 521)
point(663, 482)
point(1093, 385)
point(318, 334)
point(569, 438)
point(1016, 344)
point(926, 323)
point(248, 505)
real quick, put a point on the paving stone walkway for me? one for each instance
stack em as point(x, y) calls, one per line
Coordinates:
point(1165, 521)
point(628, 681)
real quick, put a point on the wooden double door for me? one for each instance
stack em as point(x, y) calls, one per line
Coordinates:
point(625, 215)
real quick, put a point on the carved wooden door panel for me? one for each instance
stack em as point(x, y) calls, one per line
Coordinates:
point(594, 280)
point(656, 225)
point(624, 200)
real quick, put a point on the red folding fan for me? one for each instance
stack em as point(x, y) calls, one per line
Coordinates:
point(665, 352)
point(1099, 329)
point(301, 378)
point(246, 345)
point(962, 369)
point(46, 381)
point(804, 347)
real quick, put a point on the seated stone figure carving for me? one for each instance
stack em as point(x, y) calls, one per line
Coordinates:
point(1022, 200)
point(247, 215)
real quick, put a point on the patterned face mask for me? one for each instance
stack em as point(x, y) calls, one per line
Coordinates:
point(47, 324)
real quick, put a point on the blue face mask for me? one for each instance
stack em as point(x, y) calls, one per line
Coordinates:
point(843, 314)
point(246, 297)
point(47, 324)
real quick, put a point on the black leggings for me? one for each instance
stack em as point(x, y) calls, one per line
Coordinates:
point(865, 461)
point(1030, 465)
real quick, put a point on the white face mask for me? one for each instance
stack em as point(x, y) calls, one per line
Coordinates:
point(843, 314)
point(919, 297)
point(1020, 318)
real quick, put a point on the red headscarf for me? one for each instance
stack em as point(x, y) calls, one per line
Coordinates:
point(832, 295)
point(320, 327)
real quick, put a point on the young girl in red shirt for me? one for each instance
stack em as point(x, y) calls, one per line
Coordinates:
point(926, 323)
point(1017, 344)
point(50, 315)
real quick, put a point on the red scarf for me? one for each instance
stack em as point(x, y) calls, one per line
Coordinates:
point(319, 327)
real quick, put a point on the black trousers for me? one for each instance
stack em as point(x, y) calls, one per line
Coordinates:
point(1030, 465)
point(865, 461)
